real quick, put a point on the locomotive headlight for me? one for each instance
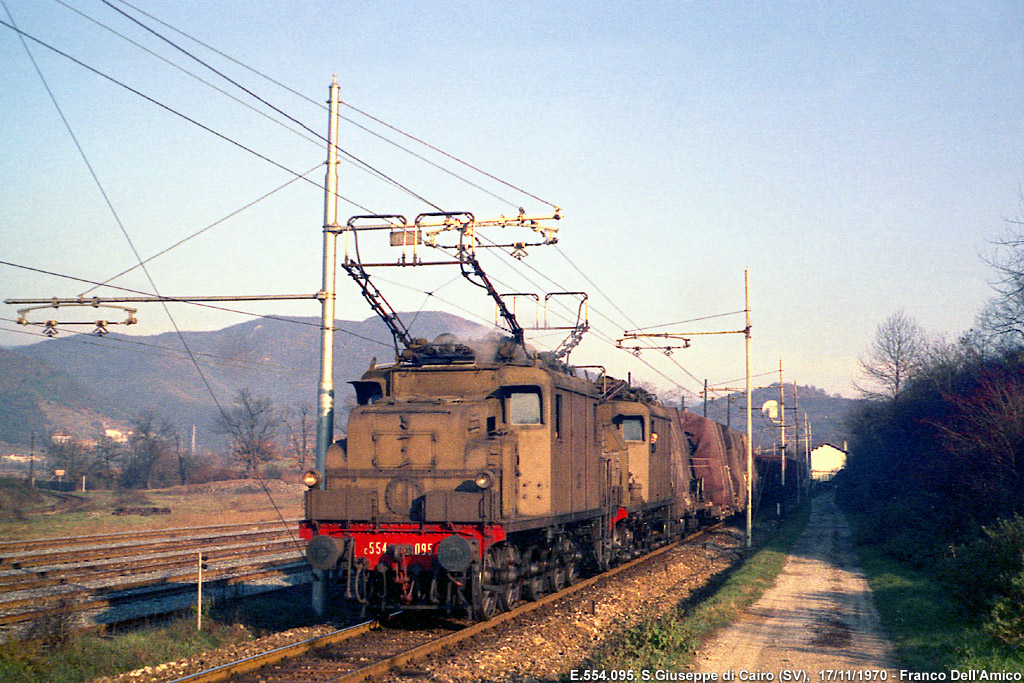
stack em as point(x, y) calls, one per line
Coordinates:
point(484, 479)
point(311, 478)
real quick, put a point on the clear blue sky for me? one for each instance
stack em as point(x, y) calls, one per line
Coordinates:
point(857, 157)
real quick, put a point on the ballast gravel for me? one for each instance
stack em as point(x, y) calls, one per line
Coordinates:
point(542, 645)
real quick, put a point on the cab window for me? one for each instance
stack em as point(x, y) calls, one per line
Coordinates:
point(632, 428)
point(522, 407)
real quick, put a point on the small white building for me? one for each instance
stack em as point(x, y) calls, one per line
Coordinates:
point(826, 460)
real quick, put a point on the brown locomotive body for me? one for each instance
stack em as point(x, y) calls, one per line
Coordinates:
point(468, 484)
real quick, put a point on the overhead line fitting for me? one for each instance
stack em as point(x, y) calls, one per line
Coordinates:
point(101, 325)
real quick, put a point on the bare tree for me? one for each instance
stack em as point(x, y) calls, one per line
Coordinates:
point(299, 430)
point(895, 354)
point(69, 455)
point(252, 424)
point(1001, 322)
point(149, 445)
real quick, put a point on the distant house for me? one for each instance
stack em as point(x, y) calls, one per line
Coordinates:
point(826, 460)
point(116, 435)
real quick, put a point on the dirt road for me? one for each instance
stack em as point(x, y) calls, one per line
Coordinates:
point(817, 623)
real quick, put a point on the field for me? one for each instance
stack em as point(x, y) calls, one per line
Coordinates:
point(26, 515)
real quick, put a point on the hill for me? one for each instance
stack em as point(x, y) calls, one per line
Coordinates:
point(37, 397)
point(825, 412)
point(80, 383)
point(120, 376)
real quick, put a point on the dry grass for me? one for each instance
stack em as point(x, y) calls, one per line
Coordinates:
point(214, 503)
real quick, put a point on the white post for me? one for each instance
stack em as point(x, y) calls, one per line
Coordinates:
point(199, 595)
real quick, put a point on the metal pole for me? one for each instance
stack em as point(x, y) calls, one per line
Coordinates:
point(199, 595)
point(750, 420)
point(782, 416)
point(325, 395)
point(796, 443)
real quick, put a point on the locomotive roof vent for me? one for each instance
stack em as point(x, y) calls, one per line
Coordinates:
point(444, 350)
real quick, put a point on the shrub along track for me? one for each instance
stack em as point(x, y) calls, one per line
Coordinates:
point(106, 579)
point(553, 633)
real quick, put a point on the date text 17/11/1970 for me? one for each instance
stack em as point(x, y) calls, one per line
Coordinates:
point(643, 675)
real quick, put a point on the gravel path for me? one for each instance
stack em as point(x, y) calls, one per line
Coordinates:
point(818, 619)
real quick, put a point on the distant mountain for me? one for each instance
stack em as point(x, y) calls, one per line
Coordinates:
point(121, 376)
point(37, 397)
point(81, 383)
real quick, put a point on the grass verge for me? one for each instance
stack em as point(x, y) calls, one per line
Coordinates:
point(83, 657)
point(669, 641)
point(930, 633)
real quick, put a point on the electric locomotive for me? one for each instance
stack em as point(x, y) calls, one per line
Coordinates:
point(468, 483)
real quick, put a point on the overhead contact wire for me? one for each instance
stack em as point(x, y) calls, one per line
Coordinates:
point(174, 111)
point(202, 230)
point(268, 104)
point(367, 115)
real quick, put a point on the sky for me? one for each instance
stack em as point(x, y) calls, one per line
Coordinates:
point(858, 158)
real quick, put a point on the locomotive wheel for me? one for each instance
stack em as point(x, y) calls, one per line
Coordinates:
point(558, 578)
point(486, 606)
point(513, 591)
point(533, 584)
point(486, 603)
point(572, 574)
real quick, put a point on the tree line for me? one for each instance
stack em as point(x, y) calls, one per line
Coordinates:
point(936, 463)
point(154, 454)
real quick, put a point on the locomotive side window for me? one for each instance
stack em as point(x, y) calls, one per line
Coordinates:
point(632, 428)
point(522, 407)
point(367, 391)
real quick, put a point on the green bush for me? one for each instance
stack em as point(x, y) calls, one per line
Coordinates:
point(986, 577)
point(17, 497)
point(1006, 620)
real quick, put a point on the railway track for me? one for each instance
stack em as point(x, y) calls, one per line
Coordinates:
point(371, 650)
point(106, 579)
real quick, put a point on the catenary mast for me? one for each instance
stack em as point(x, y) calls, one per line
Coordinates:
point(325, 396)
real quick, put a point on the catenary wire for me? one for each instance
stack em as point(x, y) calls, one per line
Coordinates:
point(202, 304)
point(202, 230)
point(268, 104)
point(174, 111)
point(363, 113)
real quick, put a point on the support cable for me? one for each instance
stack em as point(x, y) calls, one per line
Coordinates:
point(169, 109)
point(202, 230)
point(268, 104)
point(363, 113)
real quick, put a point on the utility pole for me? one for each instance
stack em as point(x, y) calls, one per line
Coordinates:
point(796, 441)
point(807, 448)
point(750, 425)
point(325, 394)
point(782, 418)
point(682, 341)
